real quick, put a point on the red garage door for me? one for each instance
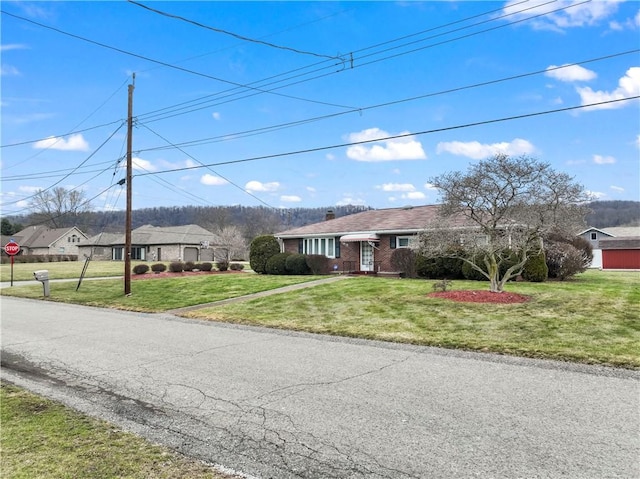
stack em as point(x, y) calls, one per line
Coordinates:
point(621, 259)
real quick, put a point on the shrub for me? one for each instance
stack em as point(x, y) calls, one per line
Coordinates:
point(297, 264)
point(189, 266)
point(176, 267)
point(437, 268)
point(262, 248)
point(472, 274)
point(140, 268)
point(404, 261)
point(206, 266)
point(564, 261)
point(277, 264)
point(158, 267)
point(236, 266)
point(535, 269)
point(318, 264)
point(222, 264)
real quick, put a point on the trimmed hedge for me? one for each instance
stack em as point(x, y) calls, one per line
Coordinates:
point(140, 268)
point(262, 248)
point(277, 264)
point(318, 264)
point(297, 264)
point(222, 265)
point(536, 270)
point(206, 266)
point(176, 267)
point(236, 266)
point(158, 267)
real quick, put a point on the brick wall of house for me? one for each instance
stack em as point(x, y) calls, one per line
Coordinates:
point(350, 253)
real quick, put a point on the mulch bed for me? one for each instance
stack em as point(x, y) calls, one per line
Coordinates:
point(481, 296)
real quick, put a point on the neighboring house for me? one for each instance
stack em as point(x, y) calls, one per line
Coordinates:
point(42, 240)
point(595, 235)
point(362, 242)
point(153, 243)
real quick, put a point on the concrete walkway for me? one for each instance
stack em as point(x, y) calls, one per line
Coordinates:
point(284, 289)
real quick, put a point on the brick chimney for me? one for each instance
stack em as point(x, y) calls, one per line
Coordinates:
point(330, 215)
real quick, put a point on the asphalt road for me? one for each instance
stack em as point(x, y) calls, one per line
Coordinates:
point(275, 404)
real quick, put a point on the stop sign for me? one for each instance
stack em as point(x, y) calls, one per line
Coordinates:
point(12, 248)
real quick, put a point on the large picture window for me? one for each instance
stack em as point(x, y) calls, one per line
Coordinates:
point(323, 246)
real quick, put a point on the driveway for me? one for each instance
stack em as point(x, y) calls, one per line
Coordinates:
point(276, 404)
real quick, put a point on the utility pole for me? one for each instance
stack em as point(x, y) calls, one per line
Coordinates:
point(127, 234)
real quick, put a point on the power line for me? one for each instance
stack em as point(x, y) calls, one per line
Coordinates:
point(268, 129)
point(169, 65)
point(404, 135)
point(235, 35)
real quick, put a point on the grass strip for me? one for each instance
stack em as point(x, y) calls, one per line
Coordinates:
point(43, 439)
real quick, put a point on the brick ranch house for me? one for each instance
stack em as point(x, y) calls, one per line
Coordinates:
point(362, 242)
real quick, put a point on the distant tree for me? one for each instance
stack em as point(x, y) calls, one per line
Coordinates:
point(232, 244)
point(260, 221)
point(499, 211)
point(58, 207)
point(9, 228)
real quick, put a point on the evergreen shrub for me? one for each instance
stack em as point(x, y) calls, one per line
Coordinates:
point(297, 264)
point(206, 266)
point(140, 268)
point(262, 248)
point(176, 267)
point(318, 263)
point(222, 265)
point(535, 269)
point(158, 267)
point(277, 264)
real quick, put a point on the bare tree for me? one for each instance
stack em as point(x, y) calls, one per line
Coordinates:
point(58, 207)
point(232, 244)
point(499, 212)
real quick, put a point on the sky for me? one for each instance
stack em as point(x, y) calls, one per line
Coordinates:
point(310, 104)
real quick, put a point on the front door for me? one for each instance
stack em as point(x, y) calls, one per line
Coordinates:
point(366, 256)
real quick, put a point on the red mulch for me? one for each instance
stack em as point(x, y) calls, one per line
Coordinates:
point(481, 297)
point(168, 274)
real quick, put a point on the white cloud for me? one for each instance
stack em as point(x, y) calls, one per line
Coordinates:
point(396, 187)
point(405, 148)
point(311, 189)
point(570, 73)
point(215, 115)
point(628, 86)
point(348, 200)
point(290, 199)
point(577, 15)
point(140, 164)
point(414, 195)
point(429, 186)
point(638, 141)
point(396, 171)
point(212, 180)
point(264, 187)
point(478, 151)
point(330, 156)
point(603, 160)
point(74, 143)
point(617, 188)
point(13, 46)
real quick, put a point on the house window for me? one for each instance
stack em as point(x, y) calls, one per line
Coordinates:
point(405, 241)
point(118, 254)
point(138, 253)
point(61, 250)
point(594, 236)
point(323, 246)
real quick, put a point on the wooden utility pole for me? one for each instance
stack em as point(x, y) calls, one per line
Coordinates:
point(127, 234)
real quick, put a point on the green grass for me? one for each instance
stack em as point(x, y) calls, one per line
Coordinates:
point(63, 269)
point(43, 439)
point(592, 319)
point(158, 294)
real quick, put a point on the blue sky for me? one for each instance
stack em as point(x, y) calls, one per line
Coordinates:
point(280, 101)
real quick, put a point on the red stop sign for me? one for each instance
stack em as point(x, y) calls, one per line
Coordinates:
point(12, 248)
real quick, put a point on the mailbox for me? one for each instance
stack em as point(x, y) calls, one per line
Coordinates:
point(43, 276)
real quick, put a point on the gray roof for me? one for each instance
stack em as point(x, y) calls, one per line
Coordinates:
point(628, 242)
point(148, 235)
point(622, 231)
point(390, 221)
point(41, 236)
